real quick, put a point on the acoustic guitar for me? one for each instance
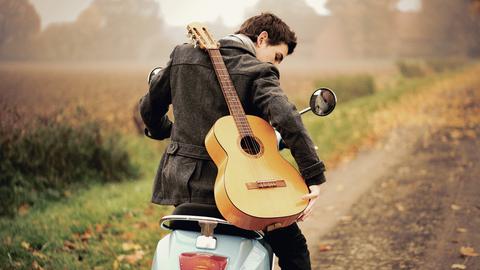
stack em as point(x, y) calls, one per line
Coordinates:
point(255, 188)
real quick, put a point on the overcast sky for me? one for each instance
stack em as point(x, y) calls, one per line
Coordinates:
point(181, 12)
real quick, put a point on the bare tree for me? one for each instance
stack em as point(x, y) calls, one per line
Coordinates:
point(452, 28)
point(18, 20)
point(475, 4)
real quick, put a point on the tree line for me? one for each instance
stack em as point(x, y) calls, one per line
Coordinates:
point(106, 30)
point(133, 30)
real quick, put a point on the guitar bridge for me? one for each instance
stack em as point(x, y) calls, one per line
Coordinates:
point(266, 184)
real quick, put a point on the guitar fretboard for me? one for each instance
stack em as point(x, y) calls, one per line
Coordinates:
point(233, 102)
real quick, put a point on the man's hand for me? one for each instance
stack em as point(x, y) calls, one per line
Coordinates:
point(312, 196)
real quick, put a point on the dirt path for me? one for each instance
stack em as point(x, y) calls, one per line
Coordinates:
point(411, 203)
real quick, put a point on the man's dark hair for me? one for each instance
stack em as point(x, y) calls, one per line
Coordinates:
point(278, 31)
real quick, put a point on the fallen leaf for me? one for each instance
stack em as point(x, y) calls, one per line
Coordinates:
point(330, 208)
point(458, 266)
point(23, 209)
point(17, 264)
point(8, 240)
point(471, 134)
point(67, 245)
point(115, 265)
point(400, 207)
point(455, 134)
point(324, 247)
point(128, 215)
point(86, 235)
point(99, 228)
point(461, 230)
point(36, 266)
point(153, 225)
point(128, 235)
point(130, 246)
point(149, 210)
point(140, 225)
point(455, 207)
point(468, 252)
point(138, 255)
point(345, 219)
point(67, 193)
point(40, 255)
point(25, 245)
point(132, 258)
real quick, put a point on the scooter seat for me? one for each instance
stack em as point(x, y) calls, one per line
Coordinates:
point(206, 210)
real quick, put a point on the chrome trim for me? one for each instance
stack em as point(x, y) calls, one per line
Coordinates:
point(305, 110)
point(190, 218)
point(198, 219)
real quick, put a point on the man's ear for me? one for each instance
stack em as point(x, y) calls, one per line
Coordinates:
point(262, 38)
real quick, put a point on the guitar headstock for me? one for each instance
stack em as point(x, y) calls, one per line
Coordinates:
point(200, 36)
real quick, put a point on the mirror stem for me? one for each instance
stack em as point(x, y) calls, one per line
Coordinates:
point(305, 110)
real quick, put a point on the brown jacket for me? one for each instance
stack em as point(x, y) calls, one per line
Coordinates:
point(188, 82)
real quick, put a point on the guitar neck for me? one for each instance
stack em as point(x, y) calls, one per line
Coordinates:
point(231, 97)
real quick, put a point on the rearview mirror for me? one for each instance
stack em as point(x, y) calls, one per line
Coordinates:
point(323, 101)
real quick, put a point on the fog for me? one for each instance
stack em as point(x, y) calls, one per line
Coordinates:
point(145, 31)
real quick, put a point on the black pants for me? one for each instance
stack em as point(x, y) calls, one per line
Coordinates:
point(290, 246)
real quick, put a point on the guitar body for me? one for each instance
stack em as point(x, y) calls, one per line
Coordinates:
point(254, 190)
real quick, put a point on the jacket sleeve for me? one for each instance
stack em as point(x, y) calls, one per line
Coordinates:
point(273, 103)
point(154, 105)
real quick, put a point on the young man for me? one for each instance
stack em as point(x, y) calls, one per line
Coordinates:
point(188, 82)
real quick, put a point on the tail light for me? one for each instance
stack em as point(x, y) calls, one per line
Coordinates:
point(202, 261)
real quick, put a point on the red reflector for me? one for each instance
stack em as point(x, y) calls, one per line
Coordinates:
point(202, 261)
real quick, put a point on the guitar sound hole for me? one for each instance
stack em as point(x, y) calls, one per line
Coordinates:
point(250, 145)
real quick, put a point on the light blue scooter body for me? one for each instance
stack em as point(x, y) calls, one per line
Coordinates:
point(242, 253)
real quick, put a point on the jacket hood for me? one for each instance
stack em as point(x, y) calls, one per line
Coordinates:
point(228, 43)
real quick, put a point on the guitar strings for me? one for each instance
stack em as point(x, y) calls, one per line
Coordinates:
point(248, 137)
point(253, 147)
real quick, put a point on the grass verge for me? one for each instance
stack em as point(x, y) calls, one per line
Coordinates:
point(109, 226)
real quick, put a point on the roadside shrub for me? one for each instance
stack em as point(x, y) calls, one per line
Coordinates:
point(412, 68)
point(444, 64)
point(49, 155)
point(421, 67)
point(348, 87)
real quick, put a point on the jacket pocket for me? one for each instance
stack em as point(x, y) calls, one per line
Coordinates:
point(201, 184)
point(176, 173)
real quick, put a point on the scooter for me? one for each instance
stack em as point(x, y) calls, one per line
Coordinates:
point(201, 239)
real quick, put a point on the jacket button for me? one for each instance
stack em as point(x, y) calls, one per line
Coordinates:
point(172, 148)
